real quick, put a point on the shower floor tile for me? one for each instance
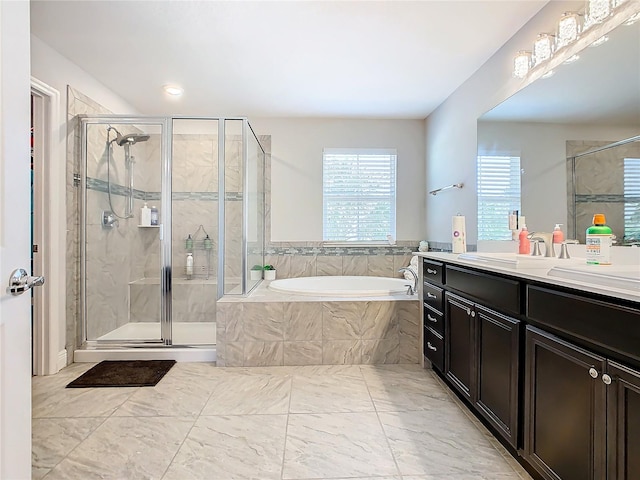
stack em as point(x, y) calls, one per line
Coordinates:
point(184, 333)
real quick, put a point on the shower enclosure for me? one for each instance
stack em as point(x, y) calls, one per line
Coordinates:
point(155, 281)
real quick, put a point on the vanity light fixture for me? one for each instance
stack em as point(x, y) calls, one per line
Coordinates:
point(572, 58)
point(522, 63)
point(173, 90)
point(600, 41)
point(597, 11)
point(633, 19)
point(569, 27)
point(542, 48)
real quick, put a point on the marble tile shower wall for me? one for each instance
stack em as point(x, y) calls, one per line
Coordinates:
point(599, 184)
point(116, 294)
point(317, 333)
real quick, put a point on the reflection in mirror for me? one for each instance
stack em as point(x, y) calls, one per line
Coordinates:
point(589, 103)
point(605, 179)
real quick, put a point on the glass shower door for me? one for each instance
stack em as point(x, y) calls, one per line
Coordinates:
point(121, 248)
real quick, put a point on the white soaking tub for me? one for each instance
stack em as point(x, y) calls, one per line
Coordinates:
point(341, 286)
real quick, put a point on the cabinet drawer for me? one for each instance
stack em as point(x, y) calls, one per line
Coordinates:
point(433, 319)
point(612, 327)
point(434, 348)
point(433, 272)
point(433, 296)
point(500, 293)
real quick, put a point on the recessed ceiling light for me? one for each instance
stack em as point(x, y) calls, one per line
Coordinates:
point(173, 90)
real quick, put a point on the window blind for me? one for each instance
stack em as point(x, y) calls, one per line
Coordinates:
point(498, 195)
point(359, 194)
point(631, 184)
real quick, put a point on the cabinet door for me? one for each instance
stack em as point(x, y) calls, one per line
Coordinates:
point(565, 417)
point(459, 340)
point(497, 371)
point(623, 426)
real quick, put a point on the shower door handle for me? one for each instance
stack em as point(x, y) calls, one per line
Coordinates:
point(20, 282)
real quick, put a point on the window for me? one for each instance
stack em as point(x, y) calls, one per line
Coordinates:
point(498, 195)
point(358, 194)
point(631, 184)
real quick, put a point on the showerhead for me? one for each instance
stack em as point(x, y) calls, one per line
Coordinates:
point(131, 139)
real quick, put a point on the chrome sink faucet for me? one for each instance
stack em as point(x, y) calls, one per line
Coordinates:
point(547, 238)
point(412, 288)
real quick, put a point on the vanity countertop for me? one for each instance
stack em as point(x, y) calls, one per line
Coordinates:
point(615, 281)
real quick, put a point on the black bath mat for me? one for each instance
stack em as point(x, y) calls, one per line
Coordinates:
point(123, 373)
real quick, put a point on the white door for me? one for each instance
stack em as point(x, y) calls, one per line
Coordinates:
point(15, 327)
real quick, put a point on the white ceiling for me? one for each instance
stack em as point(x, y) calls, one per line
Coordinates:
point(373, 59)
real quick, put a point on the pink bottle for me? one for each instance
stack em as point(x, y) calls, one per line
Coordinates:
point(524, 246)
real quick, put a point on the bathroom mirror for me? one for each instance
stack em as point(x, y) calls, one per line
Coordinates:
point(591, 102)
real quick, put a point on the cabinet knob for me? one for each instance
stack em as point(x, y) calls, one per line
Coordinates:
point(606, 379)
point(473, 313)
point(431, 347)
point(593, 372)
point(432, 272)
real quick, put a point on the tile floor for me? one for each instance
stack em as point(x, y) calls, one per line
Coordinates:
point(204, 422)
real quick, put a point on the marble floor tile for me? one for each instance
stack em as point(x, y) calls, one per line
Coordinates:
point(244, 395)
point(78, 402)
point(344, 422)
point(336, 445)
point(175, 396)
point(125, 448)
point(53, 438)
point(232, 447)
point(440, 441)
point(340, 392)
point(398, 388)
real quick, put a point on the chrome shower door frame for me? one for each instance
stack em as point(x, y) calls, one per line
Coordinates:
point(164, 229)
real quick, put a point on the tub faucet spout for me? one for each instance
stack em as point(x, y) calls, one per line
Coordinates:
point(412, 288)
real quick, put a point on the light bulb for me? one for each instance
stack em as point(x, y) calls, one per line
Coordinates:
point(568, 29)
point(522, 64)
point(542, 48)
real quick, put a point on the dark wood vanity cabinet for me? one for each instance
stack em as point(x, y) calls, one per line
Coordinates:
point(623, 422)
point(582, 408)
point(433, 314)
point(459, 365)
point(481, 361)
point(555, 372)
point(565, 409)
point(497, 371)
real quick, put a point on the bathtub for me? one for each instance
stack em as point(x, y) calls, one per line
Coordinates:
point(341, 286)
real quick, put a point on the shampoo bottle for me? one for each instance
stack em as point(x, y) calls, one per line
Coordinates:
point(145, 215)
point(154, 215)
point(558, 236)
point(189, 266)
point(599, 239)
point(524, 246)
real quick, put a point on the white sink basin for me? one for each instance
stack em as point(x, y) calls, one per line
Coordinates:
point(510, 260)
point(626, 277)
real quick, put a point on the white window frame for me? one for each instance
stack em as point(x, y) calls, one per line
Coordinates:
point(499, 193)
point(388, 159)
point(631, 181)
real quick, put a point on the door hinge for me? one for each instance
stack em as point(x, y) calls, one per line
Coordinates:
point(34, 248)
point(76, 179)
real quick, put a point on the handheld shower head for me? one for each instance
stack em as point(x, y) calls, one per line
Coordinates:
point(131, 139)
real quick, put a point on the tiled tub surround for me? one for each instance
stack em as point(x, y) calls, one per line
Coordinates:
point(268, 328)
